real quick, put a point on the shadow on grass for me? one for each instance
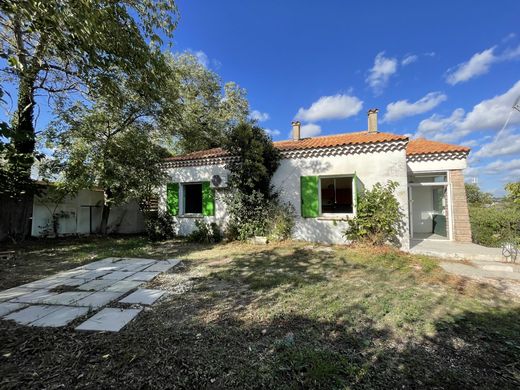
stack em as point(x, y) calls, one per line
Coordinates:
point(292, 351)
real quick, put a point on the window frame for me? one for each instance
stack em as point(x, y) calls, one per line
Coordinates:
point(182, 194)
point(337, 215)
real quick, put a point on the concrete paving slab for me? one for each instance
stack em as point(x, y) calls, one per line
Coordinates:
point(66, 298)
point(136, 260)
point(61, 317)
point(123, 286)
point(117, 275)
point(34, 297)
point(76, 272)
point(97, 285)
point(99, 299)
point(134, 267)
point(173, 261)
point(162, 266)
point(143, 276)
point(31, 314)
point(14, 292)
point(108, 262)
point(109, 320)
point(43, 283)
point(9, 307)
point(71, 282)
point(143, 296)
point(93, 274)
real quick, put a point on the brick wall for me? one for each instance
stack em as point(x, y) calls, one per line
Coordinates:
point(461, 225)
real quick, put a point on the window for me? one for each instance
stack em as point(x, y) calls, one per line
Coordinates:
point(432, 178)
point(193, 198)
point(336, 195)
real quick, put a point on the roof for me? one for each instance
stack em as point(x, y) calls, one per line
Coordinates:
point(414, 147)
point(326, 141)
point(424, 146)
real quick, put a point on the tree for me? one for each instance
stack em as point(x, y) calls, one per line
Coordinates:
point(113, 144)
point(476, 196)
point(254, 164)
point(513, 192)
point(58, 47)
point(208, 110)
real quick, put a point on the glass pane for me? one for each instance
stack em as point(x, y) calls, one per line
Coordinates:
point(327, 195)
point(343, 195)
point(438, 199)
point(193, 198)
point(440, 178)
point(336, 195)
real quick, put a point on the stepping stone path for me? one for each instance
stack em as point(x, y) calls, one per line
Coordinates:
point(87, 289)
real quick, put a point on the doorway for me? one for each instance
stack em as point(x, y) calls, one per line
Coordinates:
point(429, 208)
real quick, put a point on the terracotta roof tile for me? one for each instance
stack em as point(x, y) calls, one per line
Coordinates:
point(424, 146)
point(305, 143)
point(416, 146)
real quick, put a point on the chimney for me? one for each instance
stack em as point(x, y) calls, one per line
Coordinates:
point(372, 120)
point(296, 127)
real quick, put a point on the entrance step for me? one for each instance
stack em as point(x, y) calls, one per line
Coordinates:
point(456, 250)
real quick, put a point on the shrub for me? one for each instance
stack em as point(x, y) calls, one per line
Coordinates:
point(491, 226)
point(281, 221)
point(159, 226)
point(206, 233)
point(248, 215)
point(378, 218)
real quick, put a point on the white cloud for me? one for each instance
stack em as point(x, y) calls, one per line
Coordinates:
point(409, 59)
point(259, 116)
point(310, 130)
point(506, 143)
point(380, 73)
point(403, 108)
point(510, 168)
point(202, 58)
point(272, 133)
point(331, 107)
point(490, 114)
point(479, 64)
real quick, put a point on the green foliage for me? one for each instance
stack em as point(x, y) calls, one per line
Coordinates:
point(491, 226)
point(476, 196)
point(56, 48)
point(256, 160)
point(207, 110)
point(378, 218)
point(280, 221)
point(513, 192)
point(251, 198)
point(206, 233)
point(159, 226)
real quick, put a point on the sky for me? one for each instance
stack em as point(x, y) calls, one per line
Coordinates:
point(443, 70)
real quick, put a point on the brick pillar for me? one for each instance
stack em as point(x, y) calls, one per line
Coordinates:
point(461, 225)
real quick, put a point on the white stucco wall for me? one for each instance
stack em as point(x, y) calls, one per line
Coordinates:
point(437, 165)
point(124, 219)
point(185, 225)
point(370, 168)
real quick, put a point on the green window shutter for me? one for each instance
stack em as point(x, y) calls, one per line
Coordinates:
point(172, 198)
point(309, 196)
point(208, 199)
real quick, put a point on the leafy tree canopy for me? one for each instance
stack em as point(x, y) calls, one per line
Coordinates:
point(476, 196)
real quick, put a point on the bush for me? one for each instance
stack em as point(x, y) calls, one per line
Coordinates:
point(281, 221)
point(206, 233)
point(248, 215)
point(378, 218)
point(491, 226)
point(159, 226)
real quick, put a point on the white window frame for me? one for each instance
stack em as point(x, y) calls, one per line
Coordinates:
point(337, 215)
point(182, 204)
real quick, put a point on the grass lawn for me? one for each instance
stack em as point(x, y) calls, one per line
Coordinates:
point(289, 315)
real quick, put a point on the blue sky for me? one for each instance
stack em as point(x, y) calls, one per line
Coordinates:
point(444, 70)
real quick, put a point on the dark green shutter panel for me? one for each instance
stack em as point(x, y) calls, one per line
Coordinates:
point(309, 196)
point(172, 198)
point(208, 199)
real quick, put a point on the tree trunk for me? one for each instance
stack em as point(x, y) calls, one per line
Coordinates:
point(17, 203)
point(106, 212)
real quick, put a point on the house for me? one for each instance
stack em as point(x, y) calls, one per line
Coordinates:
point(320, 177)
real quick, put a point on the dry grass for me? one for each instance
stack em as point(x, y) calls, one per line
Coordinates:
point(289, 315)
